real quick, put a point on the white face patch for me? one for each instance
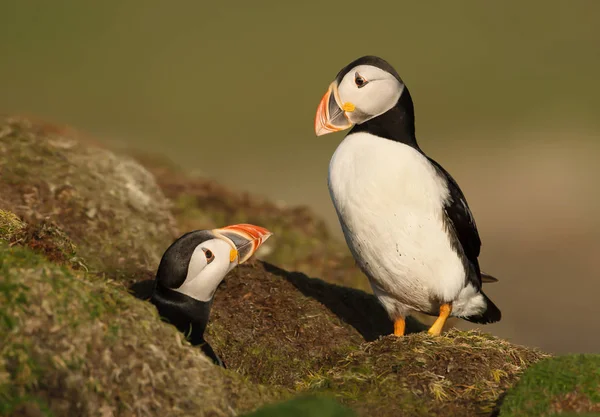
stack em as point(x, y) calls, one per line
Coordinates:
point(204, 277)
point(379, 94)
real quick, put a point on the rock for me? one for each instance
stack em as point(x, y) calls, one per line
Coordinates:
point(109, 205)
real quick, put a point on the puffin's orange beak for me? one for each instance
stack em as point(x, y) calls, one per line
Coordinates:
point(330, 116)
point(246, 238)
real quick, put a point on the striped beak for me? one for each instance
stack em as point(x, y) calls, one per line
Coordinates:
point(330, 117)
point(246, 239)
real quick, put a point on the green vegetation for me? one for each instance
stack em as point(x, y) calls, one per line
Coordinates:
point(303, 407)
point(75, 344)
point(565, 383)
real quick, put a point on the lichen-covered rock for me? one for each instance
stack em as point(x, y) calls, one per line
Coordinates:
point(76, 345)
point(110, 206)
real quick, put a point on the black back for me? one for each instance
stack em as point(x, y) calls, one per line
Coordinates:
point(464, 235)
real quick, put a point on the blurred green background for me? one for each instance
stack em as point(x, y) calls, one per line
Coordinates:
point(507, 98)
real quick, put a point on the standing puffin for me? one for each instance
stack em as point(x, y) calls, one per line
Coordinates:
point(190, 271)
point(405, 220)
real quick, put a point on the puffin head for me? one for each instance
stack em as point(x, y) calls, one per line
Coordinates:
point(196, 263)
point(362, 90)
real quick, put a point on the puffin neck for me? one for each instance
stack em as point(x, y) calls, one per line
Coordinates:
point(183, 311)
point(397, 124)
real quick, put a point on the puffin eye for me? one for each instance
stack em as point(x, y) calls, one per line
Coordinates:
point(359, 80)
point(209, 255)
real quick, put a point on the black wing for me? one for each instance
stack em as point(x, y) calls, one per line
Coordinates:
point(143, 289)
point(463, 224)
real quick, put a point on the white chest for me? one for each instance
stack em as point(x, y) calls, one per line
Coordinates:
point(389, 199)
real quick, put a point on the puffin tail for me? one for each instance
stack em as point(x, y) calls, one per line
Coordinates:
point(488, 278)
point(492, 313)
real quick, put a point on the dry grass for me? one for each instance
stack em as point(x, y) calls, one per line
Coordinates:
point(10, 225)
point(459, 374)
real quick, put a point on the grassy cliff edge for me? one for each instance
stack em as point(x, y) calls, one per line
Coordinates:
point(78, 224)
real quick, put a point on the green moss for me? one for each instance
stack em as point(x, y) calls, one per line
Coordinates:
point(90, 346)
point(304, 406)
point(27, 405)
point(551, 382)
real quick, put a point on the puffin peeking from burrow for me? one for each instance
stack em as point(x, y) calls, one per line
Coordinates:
point(404, 218)
point(189, 273)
